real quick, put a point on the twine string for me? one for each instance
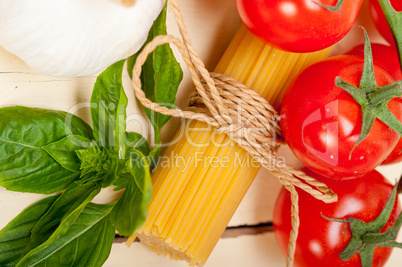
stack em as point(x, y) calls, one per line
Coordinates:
point(232, 108)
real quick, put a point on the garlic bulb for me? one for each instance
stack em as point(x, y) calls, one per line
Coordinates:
point(74, 37)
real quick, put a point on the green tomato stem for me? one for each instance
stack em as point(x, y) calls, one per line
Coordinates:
point(332, 8)
point(366, 236)
point(394, 20)
point(367, 256)
point(392, 244)
point(372, 98)
point(386, 93)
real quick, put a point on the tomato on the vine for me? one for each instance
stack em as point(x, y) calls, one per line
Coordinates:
point(298, 25)
point(321, 122)
point(386, 57)
point(320, 241)
point(380, 21)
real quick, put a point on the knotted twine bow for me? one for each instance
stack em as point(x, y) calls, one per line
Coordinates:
point(260, 136)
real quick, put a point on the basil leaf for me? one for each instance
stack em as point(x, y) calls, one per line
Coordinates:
point(160, 77)
point(137, 141)
point(90, 249)
point(121, 182)
point(131, 209)
point(77, 235)
point(108, 107)
point(25, 166)
point(15, 236)
point(63, 212)
point(64, 151)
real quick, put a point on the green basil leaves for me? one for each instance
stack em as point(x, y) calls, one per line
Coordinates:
point(160, 78)
point(47, 151)
point(26, 137)
point(15, 236)
point(131, 209)
point(108, 107)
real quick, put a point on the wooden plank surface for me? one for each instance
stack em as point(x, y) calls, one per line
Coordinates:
point(243, 251)
point(211, 25)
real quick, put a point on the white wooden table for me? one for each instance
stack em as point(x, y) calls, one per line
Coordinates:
point(211, 25)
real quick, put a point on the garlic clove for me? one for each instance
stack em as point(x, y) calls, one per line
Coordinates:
point(74, 37)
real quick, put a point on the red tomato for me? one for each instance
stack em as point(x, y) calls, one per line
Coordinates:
point(386, 57)
point(320, 241)
point(298, 25)
point(321, 122)
point(379, 18)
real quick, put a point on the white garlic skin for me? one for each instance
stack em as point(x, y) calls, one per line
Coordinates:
point(74, 37)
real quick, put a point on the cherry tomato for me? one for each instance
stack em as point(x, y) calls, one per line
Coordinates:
point(380, 21)
point(386, 57)
point(298, 25)
point(320, 241)
point(321, 122)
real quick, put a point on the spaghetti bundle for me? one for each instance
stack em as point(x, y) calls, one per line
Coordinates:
point(198, 189)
